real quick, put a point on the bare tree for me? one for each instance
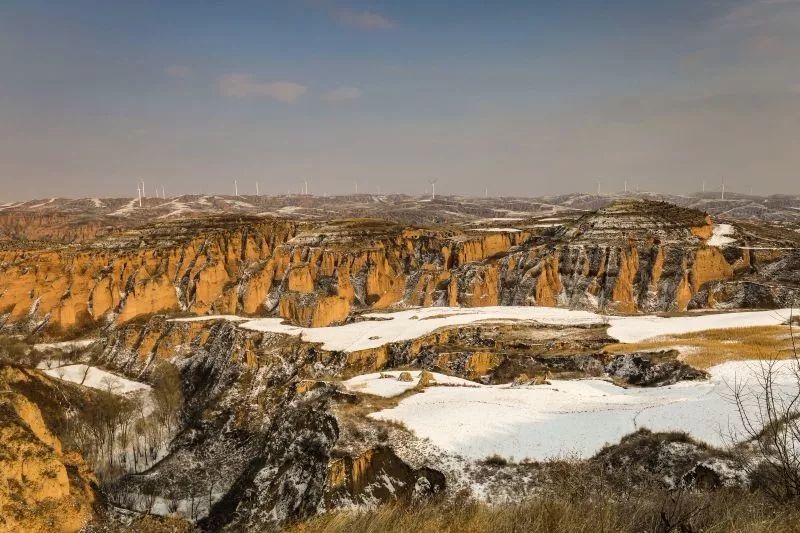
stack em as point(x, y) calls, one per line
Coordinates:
point(85, 373)
point(770, 416)
point(167, 395)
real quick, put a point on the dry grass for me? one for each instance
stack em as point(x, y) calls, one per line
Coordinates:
point(715, 512)
point(704, 349)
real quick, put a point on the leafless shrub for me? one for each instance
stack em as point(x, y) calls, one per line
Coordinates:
point(495, 460)
point(770, 417)
point(678, 513)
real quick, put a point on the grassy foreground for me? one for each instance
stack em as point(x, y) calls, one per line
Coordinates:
point(709, 512)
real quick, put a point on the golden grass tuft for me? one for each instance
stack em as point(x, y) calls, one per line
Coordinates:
point(704, 349)
point(716, 512)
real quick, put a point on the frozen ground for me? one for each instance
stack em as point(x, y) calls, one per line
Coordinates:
point(391, 386)
point(639, 328)
point(576, 417)
point(66, 345)
point(95, 378)
point(385, 328)
point(204, 318)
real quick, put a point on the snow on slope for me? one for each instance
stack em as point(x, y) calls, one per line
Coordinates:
point(639, 328)
point(385, 328)
point(391, 386)
point(575, 417)
point(204, 318)
point(66, 345)
point(125, 210)
point(720, 236)
point(96, 378)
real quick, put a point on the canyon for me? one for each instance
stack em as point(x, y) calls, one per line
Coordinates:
point(230, 318)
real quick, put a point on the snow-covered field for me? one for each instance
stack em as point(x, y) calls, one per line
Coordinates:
point(205, 318)
point(95, 378)
point(391, 386)
point(639, 328)
point(66, 345)
point(575, 417)
point(385, 328)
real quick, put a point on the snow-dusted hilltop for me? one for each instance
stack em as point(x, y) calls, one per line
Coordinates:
point(631, 256)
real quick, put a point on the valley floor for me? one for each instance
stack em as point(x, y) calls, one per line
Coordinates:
point(576, 418)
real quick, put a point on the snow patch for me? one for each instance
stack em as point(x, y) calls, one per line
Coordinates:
point(96, 378)
point(125, 210)
point(388, 387)
point(639, 328)
point(720, 236)
point(48, 202)
point(386, 328)
point(204, 318)
point(66, 345)
point(496, 230)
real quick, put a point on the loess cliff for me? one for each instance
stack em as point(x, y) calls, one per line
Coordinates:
point(42, 487)
point(628, 257)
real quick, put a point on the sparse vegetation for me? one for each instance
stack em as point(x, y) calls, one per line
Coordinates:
point(771, 451)
point(655, 511)
point(495, 460)
point(705, 349)
point(14, 351)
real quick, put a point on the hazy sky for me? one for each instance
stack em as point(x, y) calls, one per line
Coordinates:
point(523, 97)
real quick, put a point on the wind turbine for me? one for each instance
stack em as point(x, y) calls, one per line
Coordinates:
point(143, 193)
point(723, 189)
point(305, 187)
point(163, 193)
point(257, 193)
point(433, 189)
point(139, 190)
point(236, 187)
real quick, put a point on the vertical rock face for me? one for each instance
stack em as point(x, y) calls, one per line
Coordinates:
point(253, 396)
point(629, 257)
point(285, 479)
point(377, 474)
point(49, 227)
point(42, 489)
point(245, 395)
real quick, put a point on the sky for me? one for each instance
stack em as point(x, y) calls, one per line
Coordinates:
point(523, 98)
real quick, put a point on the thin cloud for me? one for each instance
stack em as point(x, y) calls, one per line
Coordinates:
point(365, 20)
point(754, 13)
point(245, 85)
point(178, 71)
point(342, 94)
